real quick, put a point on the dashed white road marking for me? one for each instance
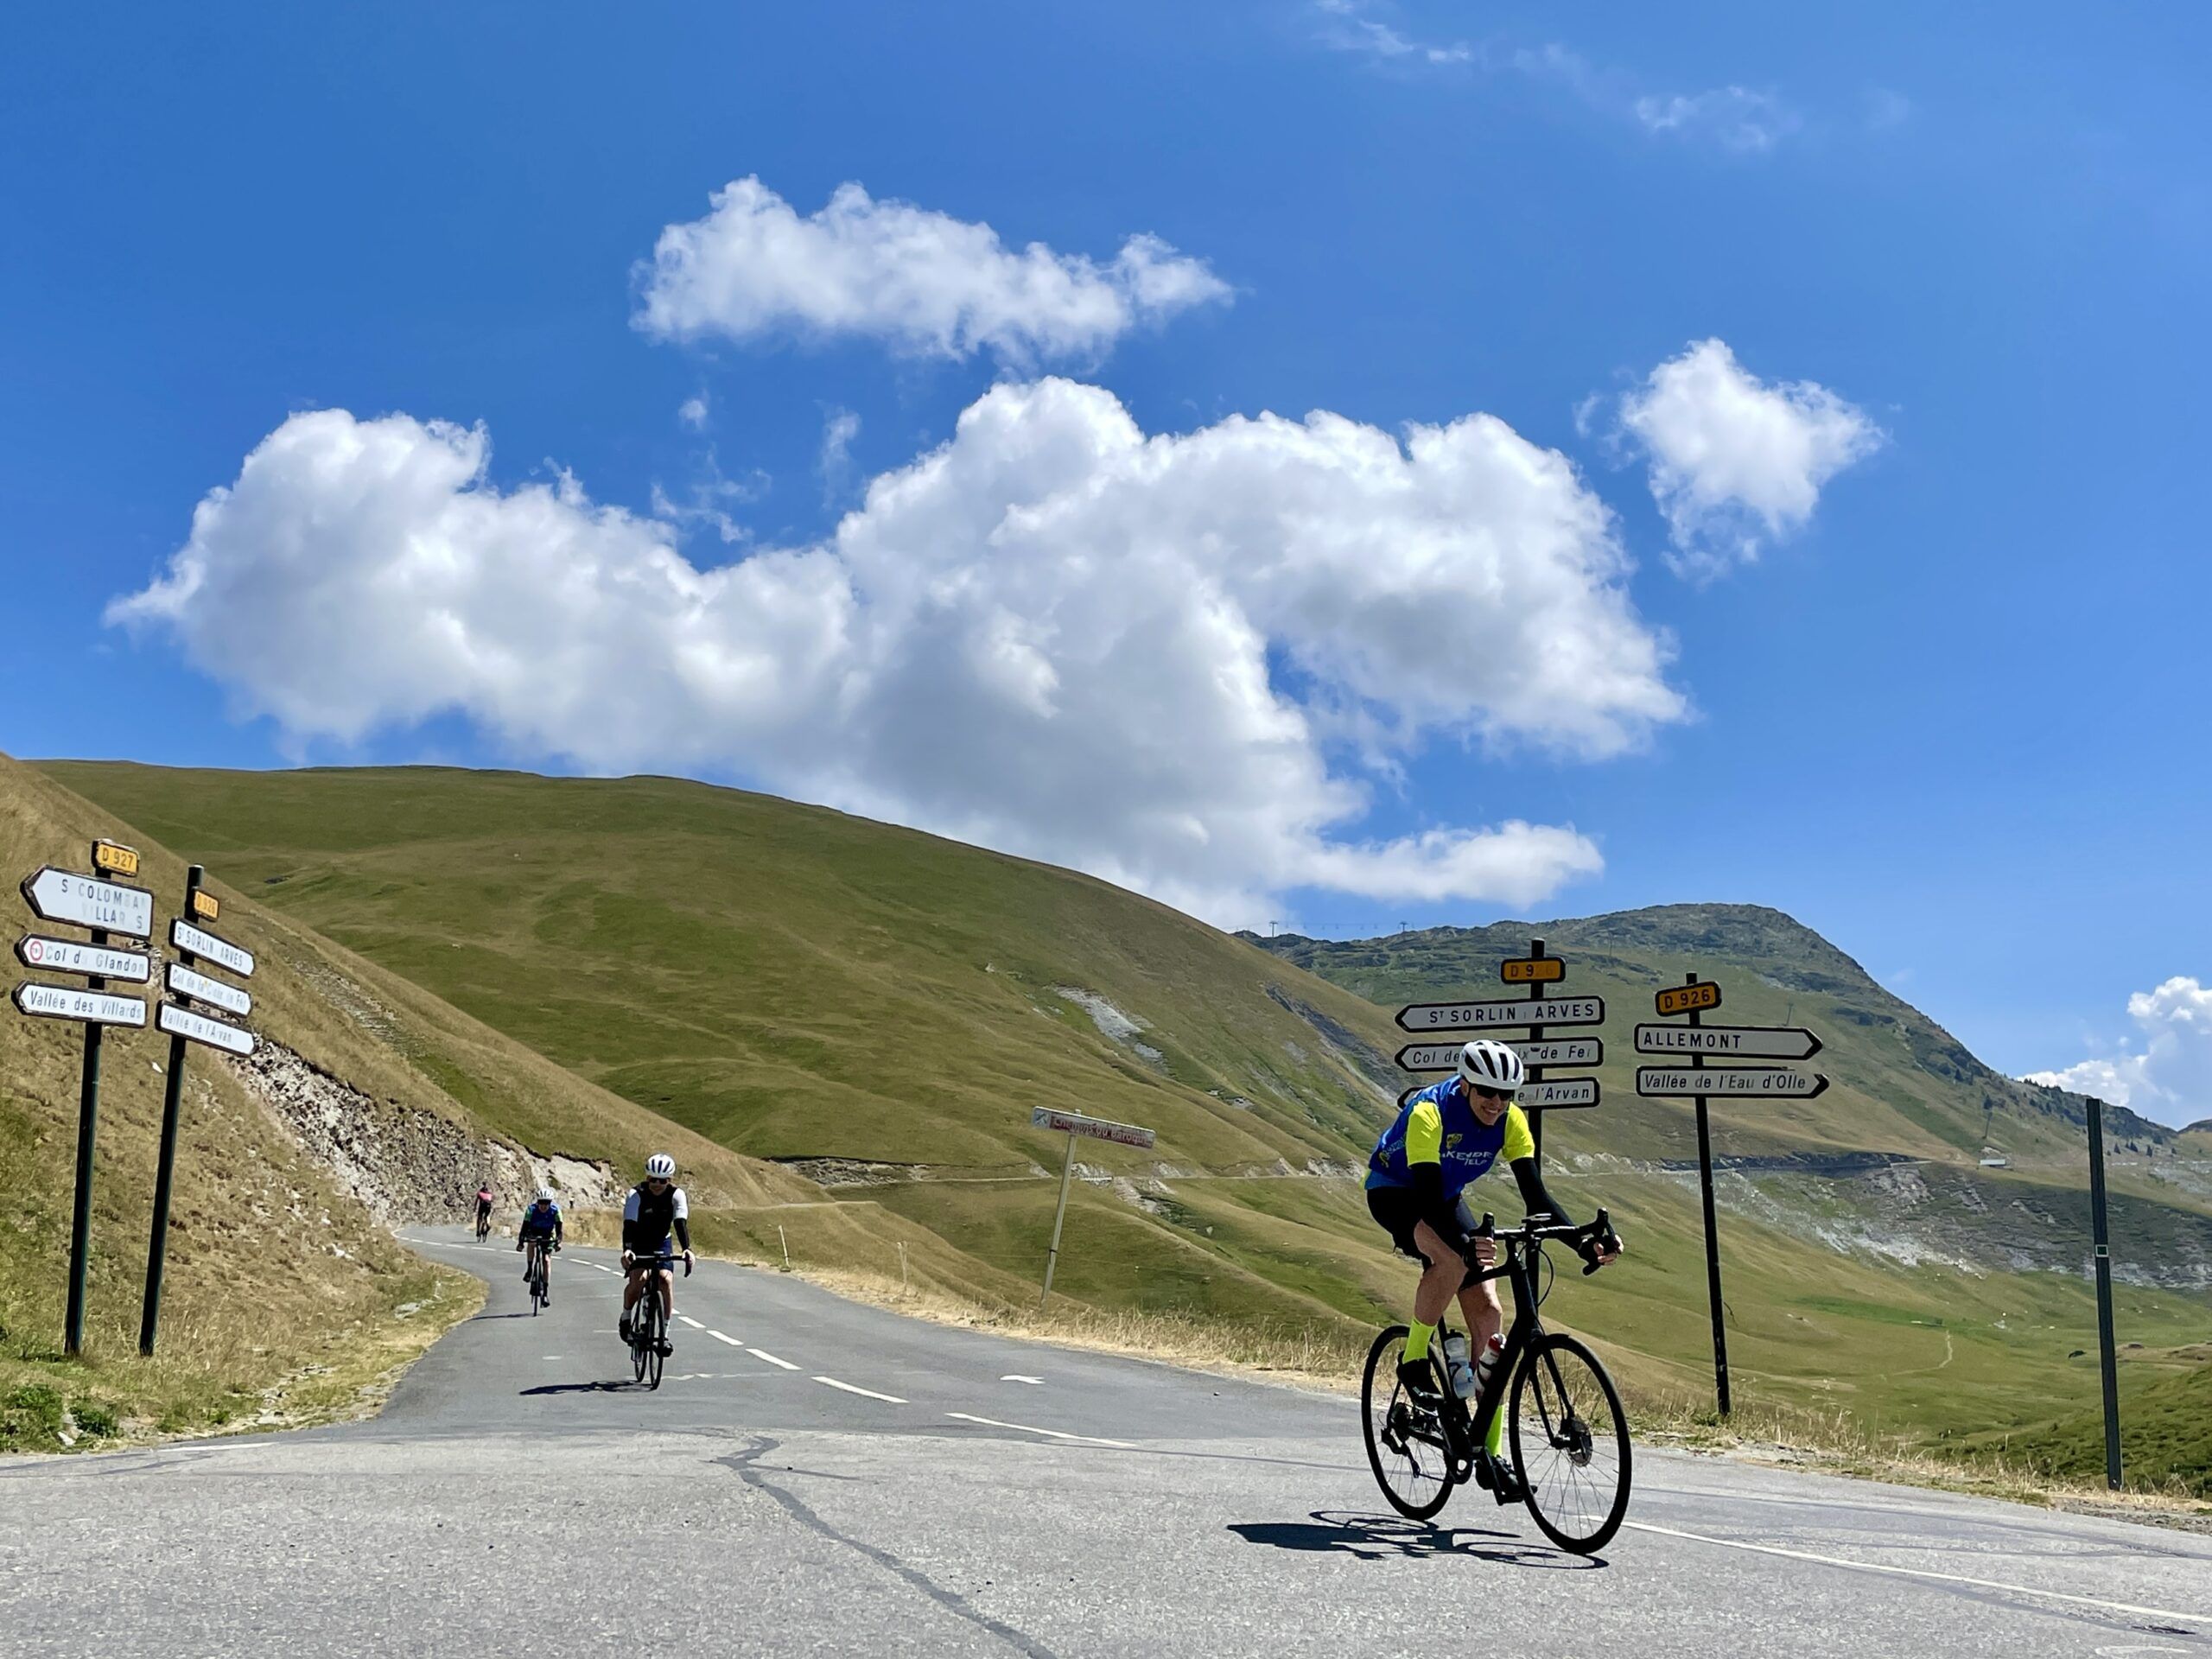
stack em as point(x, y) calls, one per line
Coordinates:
point(1052, 1433)
point(688, 1320)
point(1919, 1573)
point(718, 1336)
point(850, 1387)
point(772, 1359)
point(1033, 1382)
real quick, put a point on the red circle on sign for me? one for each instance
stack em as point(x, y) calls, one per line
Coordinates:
point(36, 950)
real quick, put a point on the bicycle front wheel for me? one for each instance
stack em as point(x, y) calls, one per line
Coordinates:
point(1570, 1442)
point(1406, 1443)
point(641, 1339)
point(656, 1346)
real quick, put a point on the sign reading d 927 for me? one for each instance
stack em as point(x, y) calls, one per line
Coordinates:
point(1506, 1016)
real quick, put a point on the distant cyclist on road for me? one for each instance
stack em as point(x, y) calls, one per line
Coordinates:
point(541, 1230)
point(484, 1198)
point(1444, 1140)
point(655, 1208)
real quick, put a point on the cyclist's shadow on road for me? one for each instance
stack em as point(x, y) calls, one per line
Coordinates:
point(1383, 1537)
point(584, 1388)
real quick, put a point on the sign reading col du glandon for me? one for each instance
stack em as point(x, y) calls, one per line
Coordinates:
point(1503, 1015)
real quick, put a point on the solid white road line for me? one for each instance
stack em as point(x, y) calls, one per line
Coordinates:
point(1054, 1433)
point(772, 1359)
point(848, 1387)
point(718, 1336)
point(1920, 1573)
point(688, 1320)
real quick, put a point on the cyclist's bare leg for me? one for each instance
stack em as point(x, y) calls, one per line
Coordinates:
point(1446, 1269)
point(1486, 1316)
point(632, 1289)
point(667, 1293)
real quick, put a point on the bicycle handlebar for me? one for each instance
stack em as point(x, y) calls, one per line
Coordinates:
point(1586, 1236)
point(660, 1260)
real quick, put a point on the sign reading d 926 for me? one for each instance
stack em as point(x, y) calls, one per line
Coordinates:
point(1688, 999)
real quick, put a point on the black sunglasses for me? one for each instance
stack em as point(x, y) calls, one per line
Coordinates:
point(1494, 1094)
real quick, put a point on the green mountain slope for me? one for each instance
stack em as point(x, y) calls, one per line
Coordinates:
point(882, 1010)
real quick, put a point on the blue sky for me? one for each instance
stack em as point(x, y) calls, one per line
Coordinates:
point(1957, 260)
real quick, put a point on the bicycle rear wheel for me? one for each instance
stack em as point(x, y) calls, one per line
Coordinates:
point(1406, 1443)
point(1570, 1442)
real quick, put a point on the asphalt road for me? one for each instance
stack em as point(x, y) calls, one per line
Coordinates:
point(818, 1476)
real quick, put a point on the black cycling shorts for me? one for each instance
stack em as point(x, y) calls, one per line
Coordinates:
point(1396, 1210)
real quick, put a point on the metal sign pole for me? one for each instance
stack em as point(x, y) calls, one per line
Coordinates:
point(1711, 1229)
point(80, 1223)
point(1053, 1255)
point(150, 1317)
point(2105, 1358)
point(1536, 1072)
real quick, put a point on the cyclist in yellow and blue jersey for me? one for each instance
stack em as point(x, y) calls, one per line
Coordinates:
point(1444, 1139)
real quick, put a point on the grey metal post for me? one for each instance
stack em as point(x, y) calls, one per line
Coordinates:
point(80, 1223)
point(149, 1316)
point(1053, 1255)
point(2106, 1360)
point(1711, 1229)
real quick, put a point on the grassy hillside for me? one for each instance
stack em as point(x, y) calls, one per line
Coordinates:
point(2167, 1417)
point(883, 1008)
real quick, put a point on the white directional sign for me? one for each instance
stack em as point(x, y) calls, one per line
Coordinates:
point(1503, 1015)
point(185, 936)
point(64, 896)
point(1099, 1129)
point(1729, 1042)
point(182, 982)
point(68, 957)
point(199, 1028)
point(1557, 1094)
point(1444, 1057)
point(67, 1002)
point(1730, 1083)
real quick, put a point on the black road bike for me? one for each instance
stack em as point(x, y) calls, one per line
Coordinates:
point(1567, 1434)
point(541, 1255)
point(649, 1344)
point(483, 1225)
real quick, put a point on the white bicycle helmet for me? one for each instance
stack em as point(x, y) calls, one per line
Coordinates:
point(1488, 1064)
point(545, 1195)
point(662, 1167)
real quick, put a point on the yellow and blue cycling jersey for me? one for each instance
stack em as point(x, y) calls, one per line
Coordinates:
point(541, 1218)
point(1438, 1126)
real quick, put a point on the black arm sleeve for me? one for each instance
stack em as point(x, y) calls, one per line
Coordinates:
point(1537, 1201)
point(682, 1233)
point(1435, 1209)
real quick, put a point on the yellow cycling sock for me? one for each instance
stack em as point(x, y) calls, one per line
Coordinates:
point(1417, 1338)
point(1494, 1441)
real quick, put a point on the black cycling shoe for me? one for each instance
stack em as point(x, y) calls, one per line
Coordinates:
point(1500, 1478)
point(622, 1327)
point(1418, 1378)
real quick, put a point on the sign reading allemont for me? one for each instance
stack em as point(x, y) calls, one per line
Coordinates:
point(1729, 1042)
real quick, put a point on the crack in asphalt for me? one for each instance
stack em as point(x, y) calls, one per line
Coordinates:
point(742, 1464)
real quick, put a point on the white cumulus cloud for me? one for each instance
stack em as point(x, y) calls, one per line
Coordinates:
point(1055, 634)
point(2169, 1078)
point(921, 281)
point(1736, 460)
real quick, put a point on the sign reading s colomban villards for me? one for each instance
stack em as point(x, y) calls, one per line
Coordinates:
point(83, 901)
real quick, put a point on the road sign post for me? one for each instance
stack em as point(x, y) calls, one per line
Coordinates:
point(101, 905)
point(1537, 968)
point(1712, 1224)
point(183, 979)
point(1075, 1123)
point(2106, 1359)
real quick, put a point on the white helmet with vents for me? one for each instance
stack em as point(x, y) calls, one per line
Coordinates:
point(1488, 1064)
point(662, 1167)
point(545, 1195)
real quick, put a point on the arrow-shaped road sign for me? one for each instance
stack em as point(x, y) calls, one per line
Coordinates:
point(1729, 1083)
point(1504, 1015)
point(69, 956)
point(182, 982)
point(1569, 1051)
point(1729, 1042)
point(222, 952)
point(63, 896)
point(1099, 1129)
point(199, 1028)
point(67, 1002)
